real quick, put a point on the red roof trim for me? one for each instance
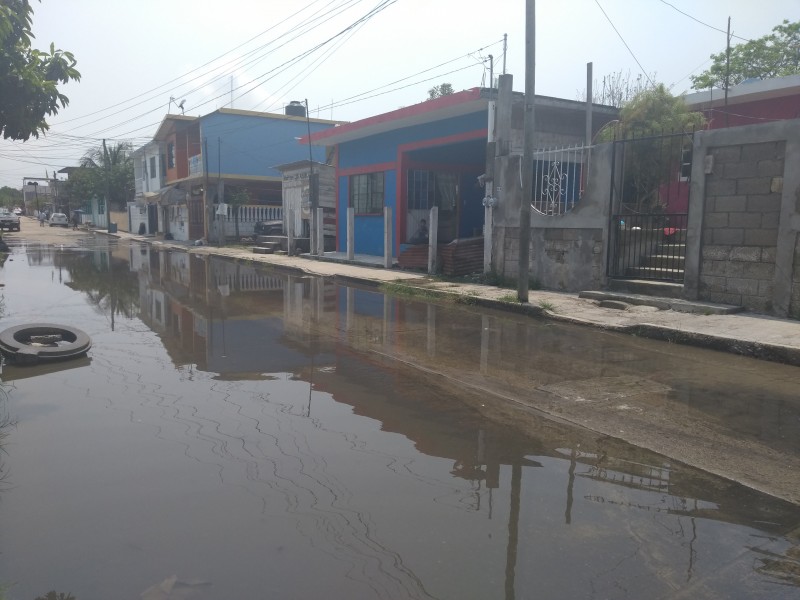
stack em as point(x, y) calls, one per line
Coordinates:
point(396, 115)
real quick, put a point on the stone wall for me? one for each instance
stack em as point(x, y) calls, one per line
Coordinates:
point(740, 224)
point(744, 218)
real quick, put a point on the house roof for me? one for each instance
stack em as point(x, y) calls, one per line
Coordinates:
point(453, 105)
point(444, 107)
point(170, 124)
point(298, 164)
point(750, 91)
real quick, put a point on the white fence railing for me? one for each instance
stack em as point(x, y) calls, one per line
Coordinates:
point(559, 178)
point(249, 215)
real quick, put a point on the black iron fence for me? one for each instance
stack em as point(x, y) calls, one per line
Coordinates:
point(648, 246)
point(650, 195)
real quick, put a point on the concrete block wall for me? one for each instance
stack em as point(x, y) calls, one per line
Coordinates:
point(744, 218)
point(567, 252)
point(740, 224)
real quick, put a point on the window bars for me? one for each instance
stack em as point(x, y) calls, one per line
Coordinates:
point(559, 178)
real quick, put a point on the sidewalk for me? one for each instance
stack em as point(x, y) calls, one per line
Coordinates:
point(693, 323)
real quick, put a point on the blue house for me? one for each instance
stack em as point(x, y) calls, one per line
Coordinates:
point(220, 175)
point(433, 154)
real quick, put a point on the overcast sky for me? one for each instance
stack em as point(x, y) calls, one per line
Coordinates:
point(350, 58)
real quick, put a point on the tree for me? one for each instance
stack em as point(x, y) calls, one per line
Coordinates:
point(10, 197)
point(437, 91)
point(650, 112)
point(29, 78)
point(618, 88)
point(774, 55)
point(652, 116)
point(104, 173)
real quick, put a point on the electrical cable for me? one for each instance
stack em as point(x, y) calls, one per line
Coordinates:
point(702, 23)
point(624, 42)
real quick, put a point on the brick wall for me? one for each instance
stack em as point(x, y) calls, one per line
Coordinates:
point(740, 224)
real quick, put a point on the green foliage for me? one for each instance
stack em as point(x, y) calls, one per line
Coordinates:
point(774, 55)
point(445, 89)
point(29, 78)
point(651, 160)
point(104, 171)
point(653, 111)
point(10, 197)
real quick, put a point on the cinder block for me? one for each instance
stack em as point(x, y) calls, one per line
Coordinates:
point(770, 220)
point(757, 304)
point(716, 252)
point(746, 220)
point(713, 284)
point(729, 236)
point(726, 154)
point(760, 271)
point(745, 254)
point(715, 220)
point(730, 203)
point(737, 285)
point(720, 187)
point(769, 168)
point(762, 151)
point(763, 203)
point(753, 185)
point(761, 237)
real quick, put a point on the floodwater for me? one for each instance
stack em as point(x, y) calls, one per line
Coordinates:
point(242, 433)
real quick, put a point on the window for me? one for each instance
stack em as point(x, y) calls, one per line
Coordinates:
point(427, 189)
point(366, 193)
point(171, 156)
point(152, 167)
point(686, 164)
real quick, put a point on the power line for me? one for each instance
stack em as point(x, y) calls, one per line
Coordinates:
point(685, 14)
point(624, 42)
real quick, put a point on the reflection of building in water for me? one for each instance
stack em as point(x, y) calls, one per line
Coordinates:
point(424, 372)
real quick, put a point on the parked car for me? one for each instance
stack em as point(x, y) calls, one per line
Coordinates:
point(59, 219)
point(8, 220)
point(269, 228)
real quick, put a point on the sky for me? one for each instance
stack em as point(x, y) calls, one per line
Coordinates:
point(350, 59)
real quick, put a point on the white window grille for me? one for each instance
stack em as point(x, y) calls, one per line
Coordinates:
point(559, 178)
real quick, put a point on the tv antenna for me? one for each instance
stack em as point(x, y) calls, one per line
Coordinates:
point(178, 104)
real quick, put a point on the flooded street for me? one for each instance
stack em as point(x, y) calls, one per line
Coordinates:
point(237, 432)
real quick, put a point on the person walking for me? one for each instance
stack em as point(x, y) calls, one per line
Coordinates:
point(41, 218)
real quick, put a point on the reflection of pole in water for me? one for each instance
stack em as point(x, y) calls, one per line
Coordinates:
point(570, 486)
point(484, 344)
point(513, 530)
point(431, 330)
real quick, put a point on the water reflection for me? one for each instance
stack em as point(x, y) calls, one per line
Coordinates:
point(336, 442)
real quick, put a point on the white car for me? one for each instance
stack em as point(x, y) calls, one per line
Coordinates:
point(59, 219)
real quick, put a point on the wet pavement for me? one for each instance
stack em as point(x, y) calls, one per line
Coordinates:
point(239, 432)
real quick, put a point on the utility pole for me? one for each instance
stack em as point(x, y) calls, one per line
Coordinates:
point(727, 69)
point(313, 242)
point(106, 177)
point(527, 155)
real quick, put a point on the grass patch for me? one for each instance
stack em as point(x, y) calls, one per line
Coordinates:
point(510, 298)
point(544, 304)
point(492, 278)
point(407, 291)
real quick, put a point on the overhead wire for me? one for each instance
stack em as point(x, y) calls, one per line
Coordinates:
point(685, 14)
point(614, 27)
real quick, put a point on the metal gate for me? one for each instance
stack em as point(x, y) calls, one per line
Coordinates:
point(650, 205)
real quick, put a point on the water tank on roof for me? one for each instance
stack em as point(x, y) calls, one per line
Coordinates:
point(295, 108)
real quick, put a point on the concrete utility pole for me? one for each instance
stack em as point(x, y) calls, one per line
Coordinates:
point(527, 155)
